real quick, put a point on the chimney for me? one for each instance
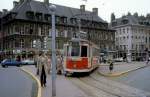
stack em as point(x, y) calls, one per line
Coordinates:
point(46, 1)
point(1, 13)
point(15, 3)
point(82, 8)
point(5, 11)
point(95, 11)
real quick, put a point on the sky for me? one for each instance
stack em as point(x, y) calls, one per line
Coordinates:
point(105, 7)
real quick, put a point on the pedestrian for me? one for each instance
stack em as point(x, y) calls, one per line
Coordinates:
point(59, 64)
point(18, 58)
point(37, 59)
point(42, 67)
point(147, 61)
point(48, 62)
point(111, 66)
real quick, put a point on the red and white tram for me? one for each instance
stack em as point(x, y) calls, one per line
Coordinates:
point(80, 56)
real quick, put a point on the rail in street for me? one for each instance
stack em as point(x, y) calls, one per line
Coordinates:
point(96, 86)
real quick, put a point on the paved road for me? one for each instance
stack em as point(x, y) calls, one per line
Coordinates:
point(138, 79)
point(16, 83)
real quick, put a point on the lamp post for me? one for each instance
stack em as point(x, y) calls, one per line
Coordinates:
point(53, 9)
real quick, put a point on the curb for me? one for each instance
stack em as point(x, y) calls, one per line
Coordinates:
point(36, 79)
point(119, 73)
point(108, 64)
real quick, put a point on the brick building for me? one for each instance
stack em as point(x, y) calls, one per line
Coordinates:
point(28, 26)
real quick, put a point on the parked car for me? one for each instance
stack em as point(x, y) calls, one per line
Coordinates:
point(119, 59)
point(28, 62)
point(10, 62)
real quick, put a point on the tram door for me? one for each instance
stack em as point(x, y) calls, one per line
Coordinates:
point(83, 51)
point(85, 55)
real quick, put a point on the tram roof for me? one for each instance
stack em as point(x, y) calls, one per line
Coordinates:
point(83, 40)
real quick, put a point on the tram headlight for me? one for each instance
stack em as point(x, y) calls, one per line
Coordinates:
point(74, 65)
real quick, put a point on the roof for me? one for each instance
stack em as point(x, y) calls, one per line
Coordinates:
point(130, 19)
point(41, 7)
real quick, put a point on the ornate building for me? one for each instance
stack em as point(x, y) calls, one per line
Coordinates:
point(27, 27)
point(132, 35)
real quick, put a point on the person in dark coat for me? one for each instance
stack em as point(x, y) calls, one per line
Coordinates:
point(111, 66)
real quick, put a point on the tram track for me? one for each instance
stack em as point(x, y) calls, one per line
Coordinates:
point(95, 87)
point(90, 90)
point(110, 87)
point(118, 88)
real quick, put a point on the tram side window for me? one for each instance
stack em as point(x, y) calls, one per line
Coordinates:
point(84, 51)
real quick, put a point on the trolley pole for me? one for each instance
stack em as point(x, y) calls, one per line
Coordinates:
point(53, 8)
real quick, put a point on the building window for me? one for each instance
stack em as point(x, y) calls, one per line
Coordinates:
point(127, 30)
point(132, 37)
point(16, 29)
point(22, 43)
point(127, 37)
point(31, 31)
point(143, 37)
point(132, 46)
point(135, 37)
point(124, 31)
point(146, 39)
point(124, 37)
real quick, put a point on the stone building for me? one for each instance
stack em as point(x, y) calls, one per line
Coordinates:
point(132, 36)
point(27, 27)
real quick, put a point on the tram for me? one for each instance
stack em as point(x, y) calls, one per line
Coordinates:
point(80, 55)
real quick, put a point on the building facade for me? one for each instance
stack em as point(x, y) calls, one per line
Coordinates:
point(132, 35)
point(27, 27)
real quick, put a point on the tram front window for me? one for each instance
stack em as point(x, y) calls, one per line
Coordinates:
point(75, 51)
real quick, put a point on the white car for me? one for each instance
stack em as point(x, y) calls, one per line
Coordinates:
point(119, 59)
point(28, 62)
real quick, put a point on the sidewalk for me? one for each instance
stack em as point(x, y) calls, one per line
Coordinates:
point(64, 87)
point(120, 68)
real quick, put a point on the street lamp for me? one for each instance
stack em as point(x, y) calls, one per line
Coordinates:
point(53, 9)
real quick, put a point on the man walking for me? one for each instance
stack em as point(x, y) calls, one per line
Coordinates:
point(42, 67)
point(111, 67)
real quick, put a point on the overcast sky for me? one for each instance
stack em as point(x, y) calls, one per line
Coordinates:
point(105, 7)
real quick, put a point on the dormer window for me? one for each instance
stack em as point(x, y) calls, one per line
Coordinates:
point(39, 16)
point(30, 14)
point(125, 21)
point(63, 19)
point(57, 19)
point(114, 23)
point(13, 14)
point(47, 17)
point(73, 20)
